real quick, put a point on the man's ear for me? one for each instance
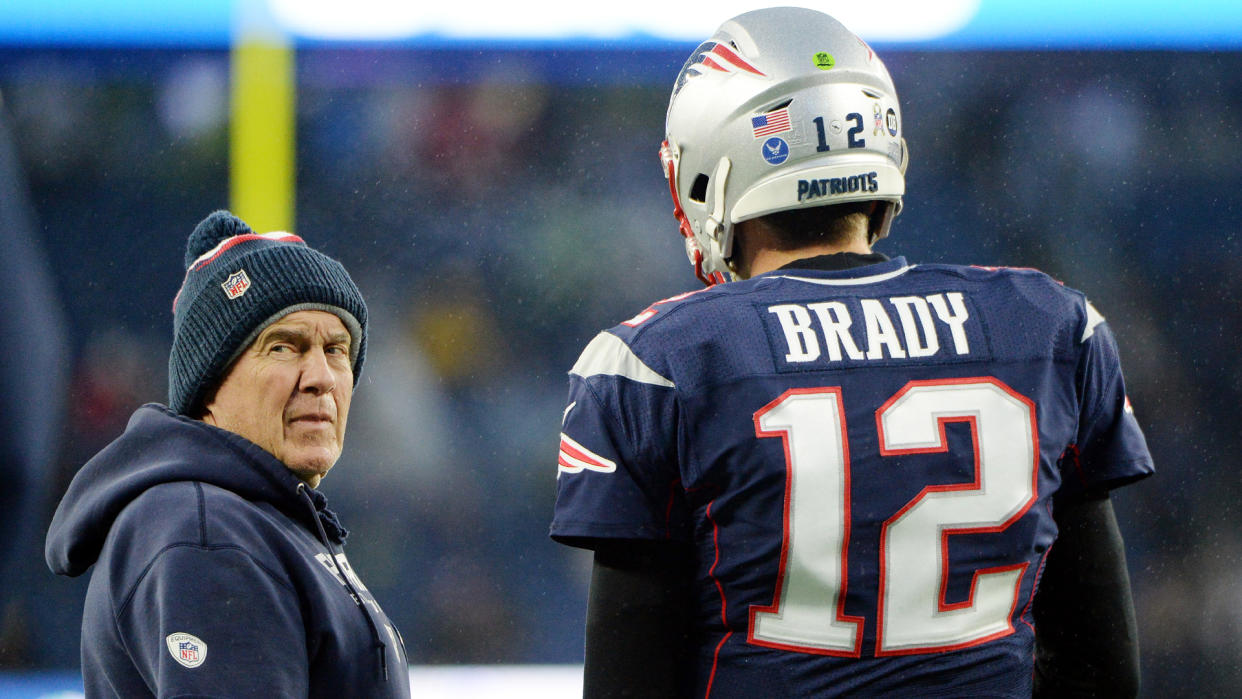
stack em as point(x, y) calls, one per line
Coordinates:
point(876, 220)
point(745, 240)
point(202, 410)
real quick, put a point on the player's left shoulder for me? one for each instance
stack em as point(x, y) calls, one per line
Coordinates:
point(640, 347)
point(657, 317)
point(608, 355)
point(673, 322)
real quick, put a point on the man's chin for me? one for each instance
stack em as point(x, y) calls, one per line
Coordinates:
point(311, 466)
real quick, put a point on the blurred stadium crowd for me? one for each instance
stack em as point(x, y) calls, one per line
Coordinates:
point(496, 222)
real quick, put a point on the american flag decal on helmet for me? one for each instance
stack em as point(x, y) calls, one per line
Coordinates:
point(574, 458)
point(714, 56)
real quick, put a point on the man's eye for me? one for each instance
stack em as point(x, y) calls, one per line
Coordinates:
point(338, 349)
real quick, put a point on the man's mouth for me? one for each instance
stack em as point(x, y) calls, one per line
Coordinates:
point(313, 418)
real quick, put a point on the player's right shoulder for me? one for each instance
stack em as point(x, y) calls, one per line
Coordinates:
point(989, 273)
point(1024, 304)
point(1047, 294)
point(1035, 286)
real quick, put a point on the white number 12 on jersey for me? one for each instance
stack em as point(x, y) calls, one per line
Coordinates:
point(808, 614)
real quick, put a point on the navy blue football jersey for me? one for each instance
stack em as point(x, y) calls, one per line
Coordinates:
point(863, 462)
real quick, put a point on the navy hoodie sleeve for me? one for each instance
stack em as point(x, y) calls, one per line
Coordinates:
point(241, 622)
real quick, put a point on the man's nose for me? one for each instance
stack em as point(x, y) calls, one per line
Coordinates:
point(317, 376)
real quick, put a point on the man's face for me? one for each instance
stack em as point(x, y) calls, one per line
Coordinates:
point(289, 392)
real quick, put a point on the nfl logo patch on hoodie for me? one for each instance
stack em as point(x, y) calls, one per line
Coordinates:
point(187, 649)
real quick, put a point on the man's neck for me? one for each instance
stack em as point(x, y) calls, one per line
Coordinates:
point(768, 259)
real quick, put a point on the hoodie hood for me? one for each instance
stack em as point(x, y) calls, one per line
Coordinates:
point(159, 446)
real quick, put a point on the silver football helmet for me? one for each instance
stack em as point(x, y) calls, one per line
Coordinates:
point(782, 108)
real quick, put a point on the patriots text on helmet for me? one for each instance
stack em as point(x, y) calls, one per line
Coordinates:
point(832, 186)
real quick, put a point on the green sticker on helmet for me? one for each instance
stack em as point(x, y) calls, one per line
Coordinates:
point(824, 60)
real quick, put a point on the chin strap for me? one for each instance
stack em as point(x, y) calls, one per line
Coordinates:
point(669, 157)
point(715, 222)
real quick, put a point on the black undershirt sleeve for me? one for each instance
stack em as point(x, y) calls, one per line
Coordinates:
point(1086, 637)
point(638, 615)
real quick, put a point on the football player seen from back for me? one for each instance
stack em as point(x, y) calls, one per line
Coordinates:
point(841, 474)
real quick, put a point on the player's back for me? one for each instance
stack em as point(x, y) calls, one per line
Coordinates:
point(862, 460)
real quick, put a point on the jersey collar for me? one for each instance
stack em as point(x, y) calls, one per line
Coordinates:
point(837, 261)
point(841, 269)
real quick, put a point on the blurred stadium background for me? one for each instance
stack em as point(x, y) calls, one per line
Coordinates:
point(497, 196)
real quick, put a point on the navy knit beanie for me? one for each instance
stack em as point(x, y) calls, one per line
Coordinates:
point(238, 282)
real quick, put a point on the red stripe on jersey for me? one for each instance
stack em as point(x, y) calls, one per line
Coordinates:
point(571, 451)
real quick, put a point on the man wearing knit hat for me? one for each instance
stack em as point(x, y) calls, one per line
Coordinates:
point(218, 567)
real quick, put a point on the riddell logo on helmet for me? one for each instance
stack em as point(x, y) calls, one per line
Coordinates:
point(812, 189)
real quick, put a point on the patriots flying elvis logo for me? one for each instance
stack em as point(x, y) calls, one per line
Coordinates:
point(713, 56)
point(574, 458)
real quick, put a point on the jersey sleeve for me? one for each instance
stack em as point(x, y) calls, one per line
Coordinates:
point(617, 473)
point(208, 621)
point(1110, 450)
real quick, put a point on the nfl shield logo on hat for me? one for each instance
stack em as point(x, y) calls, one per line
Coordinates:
point(187, 649)
point(236, 284)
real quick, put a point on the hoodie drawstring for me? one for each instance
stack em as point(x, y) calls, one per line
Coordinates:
point(379, 644)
